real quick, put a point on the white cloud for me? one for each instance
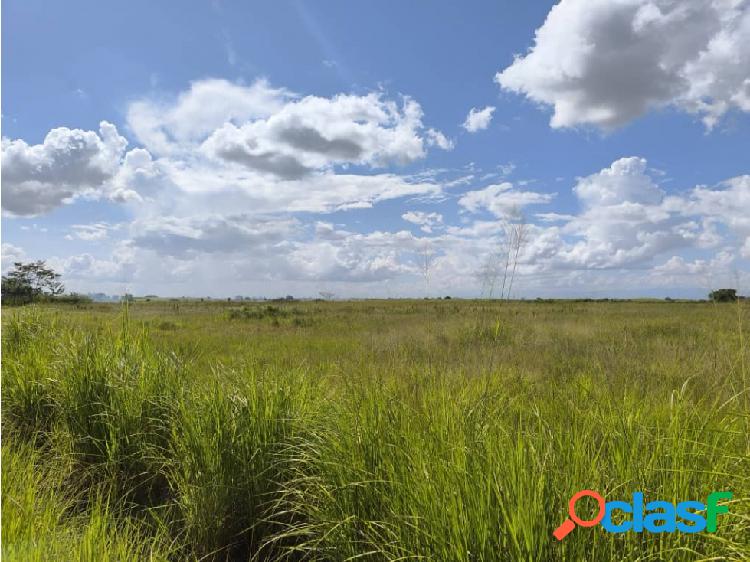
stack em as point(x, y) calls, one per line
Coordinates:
point(269, 150)
point(234, 248)
point(478, 119)
point(625, 181)
point(436, 138)
point(119, 268)
point(502, 200)
point(91, 232)
point(271, 131)
point(727, 205)
point(628, 221)
point(222, 204)
point(606, 62)
point(222, 148)
point(679, 266)
point(708, 274)
point(350, 261)
point(10, 255)
point(69, 163)
point(427, 221)
point(622, 223)
point(316, 133)
point(217, 189)
point(163, 126)
point(136, 176)
point(185, 237)
point(553, 217)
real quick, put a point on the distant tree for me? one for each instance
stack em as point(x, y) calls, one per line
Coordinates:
point(723, 295)
point(32, 281)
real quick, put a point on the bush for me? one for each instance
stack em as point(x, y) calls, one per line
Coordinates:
point(723, 295)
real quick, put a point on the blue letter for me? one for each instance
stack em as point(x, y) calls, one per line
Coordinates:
point(683, 512)
point(638, 512)
point(607, 520)
point(668, 516)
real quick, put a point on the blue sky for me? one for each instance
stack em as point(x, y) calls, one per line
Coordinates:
point(296, 147)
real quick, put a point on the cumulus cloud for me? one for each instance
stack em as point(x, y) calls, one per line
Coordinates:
point(346, 261)
point(137, 176)
point(225, 148)
point(728, 205)
point(679, 266)
point(164, 126)
point(502, 200)
point(68, 163)
point(120, 266)
point(207, 163)
point(706, 273)
point(625, 181)
point(317, 133)
point(272, 248)
point(627, 220)
point(10, 255)
point(478, 119)
point(271, 131)
point(269, 150)
point(606, 62)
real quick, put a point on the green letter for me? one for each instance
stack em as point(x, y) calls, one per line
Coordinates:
point(712, 509)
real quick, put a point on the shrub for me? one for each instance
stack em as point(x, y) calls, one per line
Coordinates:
point(723, 295)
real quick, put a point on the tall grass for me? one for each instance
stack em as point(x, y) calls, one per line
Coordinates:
point(363, 436)
point(43, 519)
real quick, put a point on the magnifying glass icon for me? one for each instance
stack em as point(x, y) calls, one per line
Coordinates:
point(569, 524)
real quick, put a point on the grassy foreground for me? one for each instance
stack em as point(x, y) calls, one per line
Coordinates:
point(379, 430)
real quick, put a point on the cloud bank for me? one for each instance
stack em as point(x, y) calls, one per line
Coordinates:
point(243, 188)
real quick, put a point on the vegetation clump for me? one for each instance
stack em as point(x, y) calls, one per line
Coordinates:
point(723, 295)
point(257, 312)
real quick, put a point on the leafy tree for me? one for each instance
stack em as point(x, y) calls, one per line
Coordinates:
point(723, 295)
point(31, 281)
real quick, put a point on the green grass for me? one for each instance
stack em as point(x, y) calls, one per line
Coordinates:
point(378, 430)
point(46, 518)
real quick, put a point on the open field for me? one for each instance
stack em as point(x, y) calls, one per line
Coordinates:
point(376, 430)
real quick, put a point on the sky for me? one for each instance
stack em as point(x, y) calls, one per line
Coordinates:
point(379, 149)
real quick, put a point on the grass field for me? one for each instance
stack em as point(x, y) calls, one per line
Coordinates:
point(374, 430)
